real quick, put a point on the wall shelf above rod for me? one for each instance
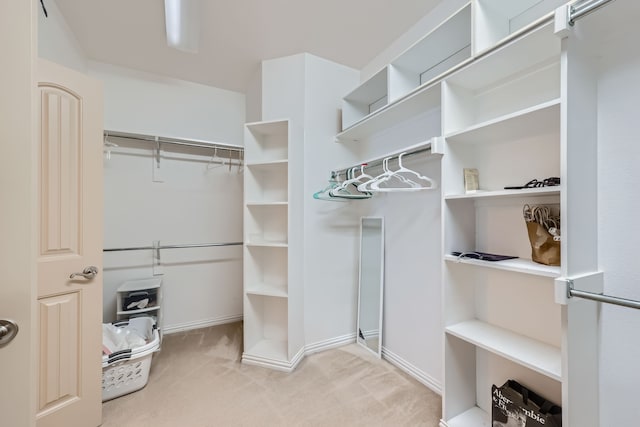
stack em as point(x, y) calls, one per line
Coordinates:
point(175, 141)
point(431, 146)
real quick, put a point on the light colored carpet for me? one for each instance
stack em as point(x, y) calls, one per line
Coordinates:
point(197, 380)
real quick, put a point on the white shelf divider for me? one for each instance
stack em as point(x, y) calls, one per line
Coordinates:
point(265, 289)
point(423, 99)
point(267, 203)
point(267, 163)
point(536, 355)
point(543, 117)
point(266, 243)
point(506, 194)
point(474, 417)
point(518, 265)
point(269, 349)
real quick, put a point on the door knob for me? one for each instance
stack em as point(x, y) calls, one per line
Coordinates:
point(8, 330)
point(88, 273)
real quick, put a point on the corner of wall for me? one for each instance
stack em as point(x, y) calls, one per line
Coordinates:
point(56, 40)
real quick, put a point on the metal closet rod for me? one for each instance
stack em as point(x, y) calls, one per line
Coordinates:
point(583, 9)
point(175, 141)
point(195, 245)
point(604, 298)
point(378, 162)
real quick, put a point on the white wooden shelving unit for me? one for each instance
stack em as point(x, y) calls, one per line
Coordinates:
point(511, 100)
point(271, 338)
point(406, 87)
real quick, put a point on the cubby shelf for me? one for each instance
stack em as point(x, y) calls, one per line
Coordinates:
point(544, 117)
point(266, 243)
point(266, 204)
point(474, 417)
point(265, 289)
point(268, 349)
point(267, 164)
point(506, 194)
point(272, 322)
point(137, 311)
point(426, 98)
point(517, 265)
point(536, 355)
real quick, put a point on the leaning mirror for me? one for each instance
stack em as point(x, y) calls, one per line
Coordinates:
point(371, 283)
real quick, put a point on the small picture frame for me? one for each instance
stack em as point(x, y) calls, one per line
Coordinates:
point(471, 182)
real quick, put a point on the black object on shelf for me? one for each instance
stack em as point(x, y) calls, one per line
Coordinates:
point(483, 256)
point(534, 183)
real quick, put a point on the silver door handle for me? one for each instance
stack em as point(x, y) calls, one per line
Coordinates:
point(8, 330)
point(88, 273)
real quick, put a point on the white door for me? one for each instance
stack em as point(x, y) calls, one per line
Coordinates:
point(70, 199)
point(17, 207)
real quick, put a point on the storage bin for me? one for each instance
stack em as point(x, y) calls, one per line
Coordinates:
point(127, 371)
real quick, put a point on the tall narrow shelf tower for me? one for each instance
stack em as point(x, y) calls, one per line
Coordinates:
point(273, 333)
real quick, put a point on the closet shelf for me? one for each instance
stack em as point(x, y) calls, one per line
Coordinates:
point(265, 289)
point(474, 417)
point(424, 98)
point(506, 194)
point(267, 164)
point(541, 118)
point(517, 54)
point(138, 311)
point(518, 265)
point(266, 243)
point(536, 355)
point(268, 349)
point(267, 203)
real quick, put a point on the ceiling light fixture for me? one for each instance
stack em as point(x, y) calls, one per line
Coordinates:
point(182, 22)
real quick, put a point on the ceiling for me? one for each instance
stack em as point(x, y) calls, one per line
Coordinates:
point(236, 35)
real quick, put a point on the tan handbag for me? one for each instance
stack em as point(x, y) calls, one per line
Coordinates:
point(544, 250)
point(541, 222)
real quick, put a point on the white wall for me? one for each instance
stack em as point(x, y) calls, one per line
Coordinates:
point(56, 41)
point(618, 204)
point(331, 229)
point(196, 203)
point(141, 102)
point(308, 90)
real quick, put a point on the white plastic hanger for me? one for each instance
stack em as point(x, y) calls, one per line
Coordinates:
point(344, 190)
point(415, 181)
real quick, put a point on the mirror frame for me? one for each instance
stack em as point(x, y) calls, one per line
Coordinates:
point(382, 243)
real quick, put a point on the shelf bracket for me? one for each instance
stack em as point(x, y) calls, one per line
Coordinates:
point(157, 262)
point(561, 25)
point(157, 154)
point(566, 288)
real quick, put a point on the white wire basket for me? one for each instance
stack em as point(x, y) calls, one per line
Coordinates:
point(127, 371)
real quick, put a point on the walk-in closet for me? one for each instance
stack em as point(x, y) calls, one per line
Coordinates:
point(319, 213)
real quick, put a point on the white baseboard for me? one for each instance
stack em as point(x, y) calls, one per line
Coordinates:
point(413, 371)
point(181, 327)
point(330, 343)
point(443, 424)
point(278, 365)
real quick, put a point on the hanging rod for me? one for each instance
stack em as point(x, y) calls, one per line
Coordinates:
point(423, 147)
point(602, 298)
point(149, 248)
point(175, 141)
point(577, 11)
